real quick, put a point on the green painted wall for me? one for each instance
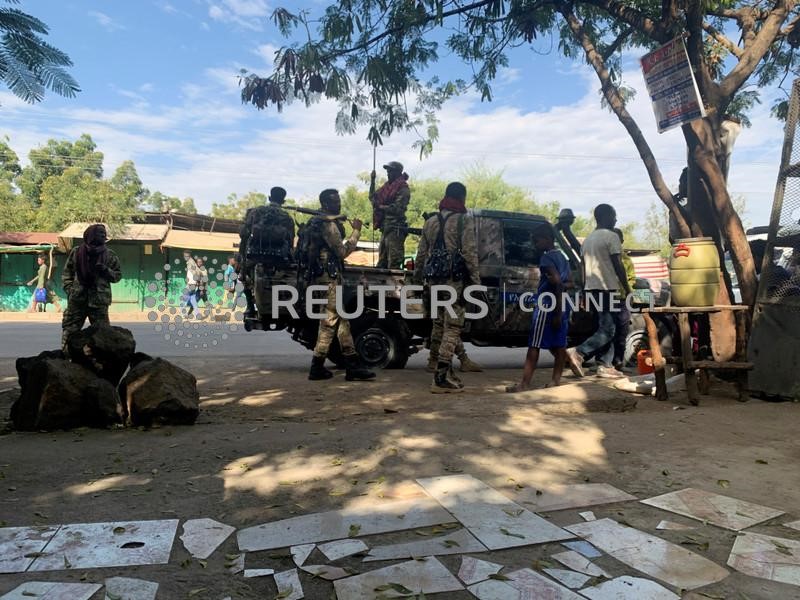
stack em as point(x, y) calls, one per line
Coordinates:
point(15, 271)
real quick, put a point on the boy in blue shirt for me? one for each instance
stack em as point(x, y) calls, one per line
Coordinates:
point(551, 315)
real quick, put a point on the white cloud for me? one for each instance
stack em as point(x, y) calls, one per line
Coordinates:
point(244, 13)
point(267, 53)
point(105, 21)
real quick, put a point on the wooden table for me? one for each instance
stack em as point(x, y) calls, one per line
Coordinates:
point(694, 385)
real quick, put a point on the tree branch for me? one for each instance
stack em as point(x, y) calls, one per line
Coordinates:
point(754, 51)
point(606, 54)
point(724, 41)
point(653, 29)
point(616, 103)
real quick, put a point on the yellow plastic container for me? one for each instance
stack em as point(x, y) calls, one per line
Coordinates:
point(694, 272)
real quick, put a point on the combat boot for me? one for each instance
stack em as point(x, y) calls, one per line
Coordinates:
point(451, 376)
point(355, 369)
point(318, 371)
point(442, 384)
point(468, 365)
point(433, 360)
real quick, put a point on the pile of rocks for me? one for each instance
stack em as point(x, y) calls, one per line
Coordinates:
point(102, 382)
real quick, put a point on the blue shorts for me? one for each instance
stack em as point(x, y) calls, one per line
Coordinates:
point(542, 334)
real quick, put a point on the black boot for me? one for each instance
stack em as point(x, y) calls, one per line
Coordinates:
point(442, 384)
point(356, 370)
point(318, 370)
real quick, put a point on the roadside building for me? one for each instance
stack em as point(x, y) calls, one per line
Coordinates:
point(18, 252)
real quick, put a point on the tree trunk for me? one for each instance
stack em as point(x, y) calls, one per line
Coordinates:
point(703, 151)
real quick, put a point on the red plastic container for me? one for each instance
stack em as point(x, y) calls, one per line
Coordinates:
point(644, 362)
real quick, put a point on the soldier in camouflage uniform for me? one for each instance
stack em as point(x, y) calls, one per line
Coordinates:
point(467, 364)
point(390, 203)
point(266, 236)
point(453, 264)
point(330, 249)
point(90, 270)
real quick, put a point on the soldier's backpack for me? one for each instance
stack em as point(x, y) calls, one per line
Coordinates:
point(270, 238)
point(307, 252)
point(441, 264)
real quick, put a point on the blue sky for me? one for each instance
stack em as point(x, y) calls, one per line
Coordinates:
point(159, 87)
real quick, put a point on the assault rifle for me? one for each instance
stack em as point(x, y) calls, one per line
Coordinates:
point(319, 213)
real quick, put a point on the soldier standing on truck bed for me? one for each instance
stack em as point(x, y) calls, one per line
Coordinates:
point(266, 237)
point(327, 250)
point(389, 205)
point(448, 256)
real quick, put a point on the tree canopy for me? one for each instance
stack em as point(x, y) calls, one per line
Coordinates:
point(28, 64)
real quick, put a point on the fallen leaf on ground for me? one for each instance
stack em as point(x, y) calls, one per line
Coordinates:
point(505, 531)
point(724, 483)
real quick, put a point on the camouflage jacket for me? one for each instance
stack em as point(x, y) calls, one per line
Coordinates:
point(334, 246)
point(468, 245)
point(99, 294)
point(394, 212)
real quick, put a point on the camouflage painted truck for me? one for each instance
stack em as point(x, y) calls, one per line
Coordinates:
point(508, 268)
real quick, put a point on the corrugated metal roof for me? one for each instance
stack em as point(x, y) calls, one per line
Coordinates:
point(134, 231)
point(28, 238)
point(202, 240)
point(26, 249)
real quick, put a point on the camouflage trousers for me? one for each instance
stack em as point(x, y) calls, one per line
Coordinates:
point(333, 326)
point(391, 250)
point(447, 328)
point(75, 316)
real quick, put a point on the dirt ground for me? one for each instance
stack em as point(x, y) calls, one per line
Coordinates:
point(270, 445)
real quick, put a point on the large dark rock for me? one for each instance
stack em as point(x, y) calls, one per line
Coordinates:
point(104, 349)
point(156, 391)
point(24, 364)
point(58, 394)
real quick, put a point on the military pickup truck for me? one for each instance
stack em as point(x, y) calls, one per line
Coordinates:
point(508, 268)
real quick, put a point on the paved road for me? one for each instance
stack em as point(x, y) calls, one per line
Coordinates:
point(26, 339)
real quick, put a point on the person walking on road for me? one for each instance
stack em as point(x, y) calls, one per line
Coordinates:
point(603, 275)
point(448, 257)
point(40, 292)
point(192, 280)
point(90, 270)
point(550, 320)
point(329, 250)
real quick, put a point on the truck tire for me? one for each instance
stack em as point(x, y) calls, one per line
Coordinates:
point(383, 345)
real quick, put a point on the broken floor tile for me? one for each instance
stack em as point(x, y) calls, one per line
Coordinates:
point(17, 542)
point(289, 586)
point(576, 562)
point(491, 517)
point(584, 548)
point(571, 579)
point(651, 555)
point(494, 590)
point(793, 525)
point(474, 570)
point(48, 590)
point(672, 526)
point(535, 586)
point(258, 572)
point(458, 542)
point(118, 544)
point(202, 536)
point(722, 511)
point(428, 576)
point(341, 548)
point(326, 572)
point(572, 496)
point(367, 519)
point(767, 557)
point(235, 564)
point(587, 516)
point(301, 553)
point(628, 588)
point(125, 588)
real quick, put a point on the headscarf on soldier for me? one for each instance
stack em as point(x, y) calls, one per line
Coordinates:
point(91, 255)
point(455, 197)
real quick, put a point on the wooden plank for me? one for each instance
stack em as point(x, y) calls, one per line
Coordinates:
point(686, 354)
point(658, 360)
point(711, 364)
point(678, 310)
